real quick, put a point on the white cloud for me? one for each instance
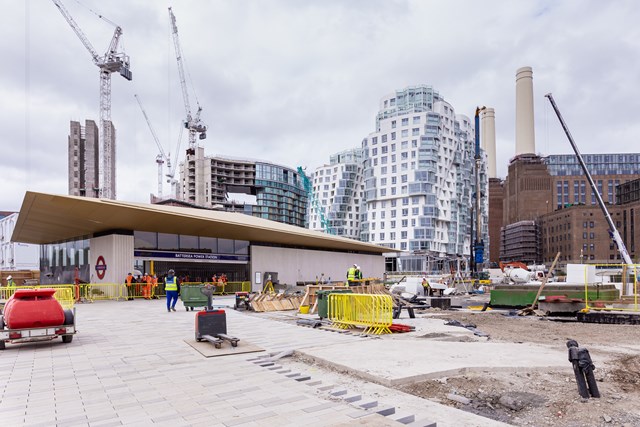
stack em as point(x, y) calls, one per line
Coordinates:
point(295, 81)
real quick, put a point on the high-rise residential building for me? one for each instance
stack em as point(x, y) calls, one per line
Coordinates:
point(339, 189)
point(259, 188)
point(84, 159)
point(419, 176)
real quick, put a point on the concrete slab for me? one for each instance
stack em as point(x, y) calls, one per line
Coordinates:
point(208, 350)
point(379, 360)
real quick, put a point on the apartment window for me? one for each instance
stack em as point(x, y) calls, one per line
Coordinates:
point(590, 224)
point(383, 170)
point(393, 124)
point(393, 158)
point(405, 133)
point(393, 205)
point(384, 138)
point(374, 152)
point(416, 120)
point(383, 181)
point(393, 136)
point(383, 160)
point(383, 192)
point(404, 156)
point(592, 235)
point(415, 211)
point(405, 201)
point(393, 212)
point(394, 169)
point(394, 180)
point(415, 131)
point(414, 143)
point(393, 191)
point(381, 236)
point(405, 212)
point(374, 140)
point(393, 147)
point(393, 224)
point(403, 178)
point(384, 150)
point(404, 145)
point(403, 245)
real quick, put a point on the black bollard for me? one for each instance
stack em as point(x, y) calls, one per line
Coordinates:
point(583, 369)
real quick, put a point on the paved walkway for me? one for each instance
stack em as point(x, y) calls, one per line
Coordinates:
point(129, 365)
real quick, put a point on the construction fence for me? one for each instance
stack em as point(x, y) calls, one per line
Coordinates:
point(372, 312)
point(68, 294)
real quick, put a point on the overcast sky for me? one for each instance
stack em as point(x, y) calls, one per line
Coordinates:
point(294, 81)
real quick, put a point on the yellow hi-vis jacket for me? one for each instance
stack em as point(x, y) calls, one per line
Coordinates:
point(171, 284)
point(351, 273)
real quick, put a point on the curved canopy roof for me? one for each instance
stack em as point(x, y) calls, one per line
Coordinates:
point(48, 218)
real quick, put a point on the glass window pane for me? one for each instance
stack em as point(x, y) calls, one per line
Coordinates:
point(225, 246)
point(144, 240)
point(188, 243)
point(242, 247)
point(209, 245)
point(168, 242)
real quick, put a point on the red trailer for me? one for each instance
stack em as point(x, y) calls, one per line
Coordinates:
point(35, 315)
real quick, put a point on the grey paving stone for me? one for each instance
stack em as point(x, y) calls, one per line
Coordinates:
point(245, 420)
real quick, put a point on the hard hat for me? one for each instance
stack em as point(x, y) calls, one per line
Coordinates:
point(357, 266)
point(171, 272)
point(9, 277)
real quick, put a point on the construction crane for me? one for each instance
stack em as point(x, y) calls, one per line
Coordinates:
point(161, 158)
point(192, 123)
point(315, 203)
point(613, 231)
point(112, 61)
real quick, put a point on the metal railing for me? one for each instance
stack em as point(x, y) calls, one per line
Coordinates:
point(374, 313)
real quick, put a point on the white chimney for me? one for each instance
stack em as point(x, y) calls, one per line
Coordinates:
point(488, 139)
point(525, 136)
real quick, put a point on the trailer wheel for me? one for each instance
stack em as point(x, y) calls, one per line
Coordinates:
point(67, 339)
point(68, 317)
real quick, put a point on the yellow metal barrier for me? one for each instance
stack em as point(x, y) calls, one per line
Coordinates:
point(374, 313)
point(65, 294)
point(628, 274)
point(103, 291)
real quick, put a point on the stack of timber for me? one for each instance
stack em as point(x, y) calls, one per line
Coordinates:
point(311, 299)
point(275, 302)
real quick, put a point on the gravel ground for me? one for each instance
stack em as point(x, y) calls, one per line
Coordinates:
point(547, 398)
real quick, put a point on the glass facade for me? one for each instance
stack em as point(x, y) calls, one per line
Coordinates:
point(60, 261)
point(143, 240)
point(598, 164)
point(280, 195)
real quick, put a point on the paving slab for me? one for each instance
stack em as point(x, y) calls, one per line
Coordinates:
point(379, 361)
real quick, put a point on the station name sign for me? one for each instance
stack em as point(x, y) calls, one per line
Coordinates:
point(186, 256)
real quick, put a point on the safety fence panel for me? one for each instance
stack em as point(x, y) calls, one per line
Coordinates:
point(223, 288)
point(374, 313)
point(103, 291)
point(65, 294)
point(623, 276)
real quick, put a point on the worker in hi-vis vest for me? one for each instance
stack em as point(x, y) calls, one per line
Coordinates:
point(171, 286)
point(351, 275)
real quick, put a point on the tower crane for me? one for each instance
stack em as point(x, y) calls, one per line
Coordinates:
point(161, 157)
point(112, 61)
point(192, 123)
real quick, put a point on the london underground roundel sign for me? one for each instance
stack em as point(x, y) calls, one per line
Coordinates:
point(101, 267)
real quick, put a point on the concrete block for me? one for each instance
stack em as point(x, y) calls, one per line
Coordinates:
point(300, 379)
point(339, 392)
point(352, 398)
point(385, 410)
point(368, 404)
point(423, 423)
point(403, 418)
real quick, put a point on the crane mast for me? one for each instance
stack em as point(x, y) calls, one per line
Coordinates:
point(192, 123)
point(112, 61)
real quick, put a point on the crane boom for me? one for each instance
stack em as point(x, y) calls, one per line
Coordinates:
point(193, 124)
point(153, 132)
point(612, 228)
point(74, 26)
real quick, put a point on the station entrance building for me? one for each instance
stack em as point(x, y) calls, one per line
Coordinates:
point(101, 241)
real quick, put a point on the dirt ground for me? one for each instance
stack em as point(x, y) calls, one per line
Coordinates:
point(546, 398)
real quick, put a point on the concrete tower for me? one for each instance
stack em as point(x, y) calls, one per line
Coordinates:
point(525, 136)
point(488, 129)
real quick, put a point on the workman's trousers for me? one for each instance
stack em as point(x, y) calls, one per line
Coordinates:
point(172, 299)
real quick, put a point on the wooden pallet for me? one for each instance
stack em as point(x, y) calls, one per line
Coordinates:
point(275, 302)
